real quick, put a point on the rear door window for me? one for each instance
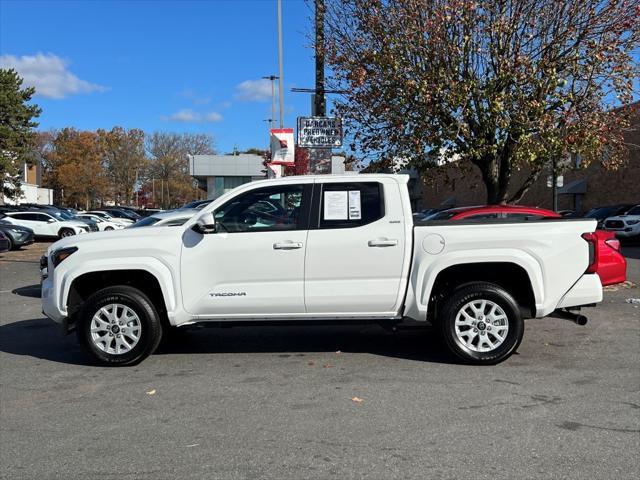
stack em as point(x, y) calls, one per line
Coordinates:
point(349, 205)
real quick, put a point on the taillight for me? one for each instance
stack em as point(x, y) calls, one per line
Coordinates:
point(592, 240)
point(613, 243)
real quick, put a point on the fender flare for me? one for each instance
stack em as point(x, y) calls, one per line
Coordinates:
point(424, 277)
point(151, 265)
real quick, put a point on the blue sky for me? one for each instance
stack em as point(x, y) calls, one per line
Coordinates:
point(179, 66)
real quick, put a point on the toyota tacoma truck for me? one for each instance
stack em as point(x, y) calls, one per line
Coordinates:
point(339, 249)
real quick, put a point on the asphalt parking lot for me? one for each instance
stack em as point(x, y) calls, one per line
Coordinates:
point(315, 403)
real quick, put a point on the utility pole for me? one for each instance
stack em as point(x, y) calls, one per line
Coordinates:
point(320, 102)
point(273, 98)
point(280, 63)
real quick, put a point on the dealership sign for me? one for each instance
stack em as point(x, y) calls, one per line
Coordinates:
point(282, 146)
point(319, 132)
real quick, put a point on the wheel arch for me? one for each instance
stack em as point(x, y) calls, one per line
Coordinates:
point(510, 276)
point(156, 283)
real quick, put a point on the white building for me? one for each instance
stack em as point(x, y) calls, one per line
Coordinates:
point(221, 173)
point(31, 191)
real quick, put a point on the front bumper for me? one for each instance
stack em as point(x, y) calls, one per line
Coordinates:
point(49, 303)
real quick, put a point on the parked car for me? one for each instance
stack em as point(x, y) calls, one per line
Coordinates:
point(625, 226)
point(171, 218)
point(343, 248)
point(44, 224)
point(102, 224)
point(5, 246)
point(610, 264)
point(146, 212)
point(106, 216)
point(569, 214)
point(602, 213)
point(121, 213)
point(198, 204)
point(17, 235)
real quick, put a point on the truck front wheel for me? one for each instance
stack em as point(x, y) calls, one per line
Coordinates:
point(119, 326)
point(481, 323)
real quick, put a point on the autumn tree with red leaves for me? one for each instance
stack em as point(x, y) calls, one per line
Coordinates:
point(501, 84)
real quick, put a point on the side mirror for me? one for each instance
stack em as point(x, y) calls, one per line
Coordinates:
point(51, 220)
point(205, 224)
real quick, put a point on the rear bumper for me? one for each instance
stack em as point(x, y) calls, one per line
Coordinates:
point(586, 291)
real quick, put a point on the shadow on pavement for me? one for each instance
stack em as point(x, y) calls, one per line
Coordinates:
point(42, 338)
point(32, 291)
point(631, 252)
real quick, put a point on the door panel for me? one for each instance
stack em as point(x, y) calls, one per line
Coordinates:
point(254, 264)
point(355, 266)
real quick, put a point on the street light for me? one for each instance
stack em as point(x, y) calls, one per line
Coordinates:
point(273, 98)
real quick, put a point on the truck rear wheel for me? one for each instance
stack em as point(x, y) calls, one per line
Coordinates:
point(481, 323)
point(119, 326)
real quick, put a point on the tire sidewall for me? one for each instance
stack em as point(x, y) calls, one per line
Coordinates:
point(482, 292)
point(63, 230)
point(151, 330)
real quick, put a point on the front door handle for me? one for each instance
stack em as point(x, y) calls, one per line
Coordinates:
point(383, 242)
point(287, 245)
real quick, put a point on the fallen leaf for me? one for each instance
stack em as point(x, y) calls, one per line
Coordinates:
point(357, 400)
point(327, 365)
point(311, 364)
point(151, 392)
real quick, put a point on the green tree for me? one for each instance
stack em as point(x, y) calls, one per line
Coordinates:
point(16, 131)
point(499, 84)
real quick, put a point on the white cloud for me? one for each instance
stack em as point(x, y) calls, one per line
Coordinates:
point(186, 115)
point(213, 117)
point(49, 75)
point(194, 97)
point(254, 90)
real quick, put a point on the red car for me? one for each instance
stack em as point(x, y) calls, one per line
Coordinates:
point(611, 265)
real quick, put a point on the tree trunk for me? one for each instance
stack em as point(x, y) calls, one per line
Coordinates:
point(495, 175)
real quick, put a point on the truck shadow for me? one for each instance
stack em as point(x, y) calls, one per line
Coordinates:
point(41, 338)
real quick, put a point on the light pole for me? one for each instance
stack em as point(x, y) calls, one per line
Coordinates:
point(280, 61)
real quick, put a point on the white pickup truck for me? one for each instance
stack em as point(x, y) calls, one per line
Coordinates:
point(318, 249)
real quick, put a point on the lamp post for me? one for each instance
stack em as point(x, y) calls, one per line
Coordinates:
point(273, 99)
point(280, 62)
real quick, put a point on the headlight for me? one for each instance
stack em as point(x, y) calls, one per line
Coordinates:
point(632, 222)
point(60, 255)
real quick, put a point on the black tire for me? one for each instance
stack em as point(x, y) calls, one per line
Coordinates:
point(11, 245)
point(492, 293)
point(150, 332)
point(66, 232)
point(106, 229)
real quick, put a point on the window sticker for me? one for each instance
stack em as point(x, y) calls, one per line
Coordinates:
point(335, 205)
point(355, 210)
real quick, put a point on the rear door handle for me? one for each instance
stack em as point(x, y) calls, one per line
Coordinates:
point(287, 245)
point(383, 242)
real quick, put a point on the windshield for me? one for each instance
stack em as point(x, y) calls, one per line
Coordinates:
point(59, 215)
point(145, 222)
point(601, 212)
point(634, 211)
